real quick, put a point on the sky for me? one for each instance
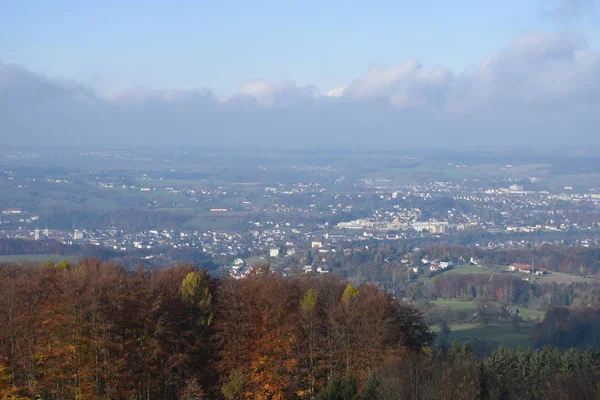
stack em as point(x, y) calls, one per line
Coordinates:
point(288, 72)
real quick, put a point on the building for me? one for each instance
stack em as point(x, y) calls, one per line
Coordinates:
point(432, 227)
point(77, 235)
point(274, 252)
point(10, 211)
point(515, 188)
point(445, 264)
point(316, 245)
point(518, 267)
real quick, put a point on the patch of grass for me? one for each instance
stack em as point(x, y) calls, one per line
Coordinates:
point(472, 269)
point(456, 304)
point(506, 334)
point(531, 315)
point(525, 313)
point(560, 277)
point(216, 222)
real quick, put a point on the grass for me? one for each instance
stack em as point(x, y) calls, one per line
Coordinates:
point(455, 304)
point(23, 258)
point(531, 315)
point(216, 222)
point(525, 313)
point(472, 269)
point(500, 334)
point(559, 277)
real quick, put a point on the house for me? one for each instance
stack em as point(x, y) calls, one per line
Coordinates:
point(524, 268)
point(307, 269)
point(541, 271)
point(274, 252)
point(9, 211)
point(445, 264)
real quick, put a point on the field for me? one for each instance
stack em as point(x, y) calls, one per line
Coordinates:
point(474, 269)
point(559, 277)
point(216, 221)
point(23, 258)
point(456, 304)
point(525, 313)
point(507, 334)
point(553, 277)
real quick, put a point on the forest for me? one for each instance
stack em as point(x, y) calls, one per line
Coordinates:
point(96, 330)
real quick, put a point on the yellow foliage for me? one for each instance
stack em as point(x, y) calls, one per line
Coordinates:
point(350, 293)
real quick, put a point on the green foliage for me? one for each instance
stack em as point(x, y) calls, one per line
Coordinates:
point(308, 303)
point(234, 387)
point(196, 289)
point(63, 265)
point(340, 389)
point(351, 292)
point(372, 389)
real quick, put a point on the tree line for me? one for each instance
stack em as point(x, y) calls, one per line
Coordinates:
point(96, 330)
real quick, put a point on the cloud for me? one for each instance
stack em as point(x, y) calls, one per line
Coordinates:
point(280, 94)
point(540, 88)
point(337, 92)
point(405, 85)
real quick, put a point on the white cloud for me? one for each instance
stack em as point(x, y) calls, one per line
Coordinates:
point(279, 94)
point(405, 85)
point(337, 92)
point(538, 86)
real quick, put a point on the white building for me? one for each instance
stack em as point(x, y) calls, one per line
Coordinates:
point(274, 252)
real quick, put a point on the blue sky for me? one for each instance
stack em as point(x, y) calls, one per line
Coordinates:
point(114, 45)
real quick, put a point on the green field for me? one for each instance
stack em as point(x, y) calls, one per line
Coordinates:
point(456, 304)
point(525, 313)
point(507, 334)
point(474, 269)
point(217, 222)
point(22, 258)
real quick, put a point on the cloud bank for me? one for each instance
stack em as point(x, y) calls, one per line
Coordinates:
point(541, 89)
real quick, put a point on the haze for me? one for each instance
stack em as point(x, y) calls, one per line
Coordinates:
point(344, 74)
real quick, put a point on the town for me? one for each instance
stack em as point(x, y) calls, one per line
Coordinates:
point(282, 209)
